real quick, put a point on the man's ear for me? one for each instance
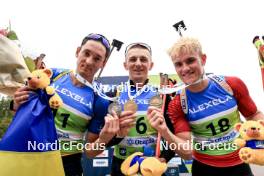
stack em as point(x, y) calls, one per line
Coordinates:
point(203, 59)
point(77, 51)
point(48, 72)
point(105, 61)
point(151, 65)
point(125, 65)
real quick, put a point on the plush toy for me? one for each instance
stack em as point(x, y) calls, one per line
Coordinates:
point(33, 124)
point(148, 166)
point(40, 79)
point(251, 141)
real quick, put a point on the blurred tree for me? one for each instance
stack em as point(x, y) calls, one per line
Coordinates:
point(5, 114)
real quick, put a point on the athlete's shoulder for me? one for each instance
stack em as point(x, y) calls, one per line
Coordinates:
point(100, 102)
point(233, 80)
point(57, 71)
point(236, 84)
point(246, 105)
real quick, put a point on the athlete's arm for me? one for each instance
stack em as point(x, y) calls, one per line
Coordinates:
point(104, 127)
point(101, 128)
point(96, 144)
point(182, 131)
point(246, 105)
point(167, 154)
point(127, 120)
point(180, 141)
point(257, 116)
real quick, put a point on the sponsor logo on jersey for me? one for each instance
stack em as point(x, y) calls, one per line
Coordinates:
point(137, 101)
point(139, 142)
point(73, 96)
point(210, 104)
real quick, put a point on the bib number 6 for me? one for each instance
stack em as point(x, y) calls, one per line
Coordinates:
point(141, 126)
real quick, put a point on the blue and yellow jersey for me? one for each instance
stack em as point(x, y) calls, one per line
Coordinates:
point(142, 134)
point(82, 109)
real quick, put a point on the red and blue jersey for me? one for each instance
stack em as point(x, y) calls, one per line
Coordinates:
point(212, 114)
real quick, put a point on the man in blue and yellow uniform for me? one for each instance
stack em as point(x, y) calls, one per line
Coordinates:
point(135, 96)
point(82, 109)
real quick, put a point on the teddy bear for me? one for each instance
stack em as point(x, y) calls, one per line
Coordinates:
point(147, 166)
point(40, 79)
point(31, 138)
point(251, 143)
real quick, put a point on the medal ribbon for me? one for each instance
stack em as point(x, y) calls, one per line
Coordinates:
point(101, 94)
point(82, 80)
point(180, 86)
point(95, 86)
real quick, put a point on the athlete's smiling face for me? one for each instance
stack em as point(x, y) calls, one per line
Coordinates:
point(189, 66)
point(138, 63)
point(90, 58)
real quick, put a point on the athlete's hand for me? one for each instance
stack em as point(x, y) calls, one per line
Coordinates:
point(20, 96)
point(156, 119)
point(127, 120)
point(110, 129)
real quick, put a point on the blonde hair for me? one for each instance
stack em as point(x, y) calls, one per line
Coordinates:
point(185, 45)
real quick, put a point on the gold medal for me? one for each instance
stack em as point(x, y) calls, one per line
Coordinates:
point(156, 101)
point(115, 107)
point(130, 105)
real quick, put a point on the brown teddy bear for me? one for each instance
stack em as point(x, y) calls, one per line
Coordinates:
point(33, 123)
point(251, 141)
point(40, 79)
point(147, 166)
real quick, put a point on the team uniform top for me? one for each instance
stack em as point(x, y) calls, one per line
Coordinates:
point(82, 110)
point(212, 114)
point(142, 135)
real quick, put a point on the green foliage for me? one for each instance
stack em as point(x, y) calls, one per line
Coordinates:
point(155, 79)
point(4, 123)
point(5, 114)
point(12, 35)
point(30, 64)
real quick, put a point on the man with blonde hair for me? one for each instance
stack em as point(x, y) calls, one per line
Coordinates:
point(210, 105)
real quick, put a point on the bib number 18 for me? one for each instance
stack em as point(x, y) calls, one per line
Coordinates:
point(222, 123)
